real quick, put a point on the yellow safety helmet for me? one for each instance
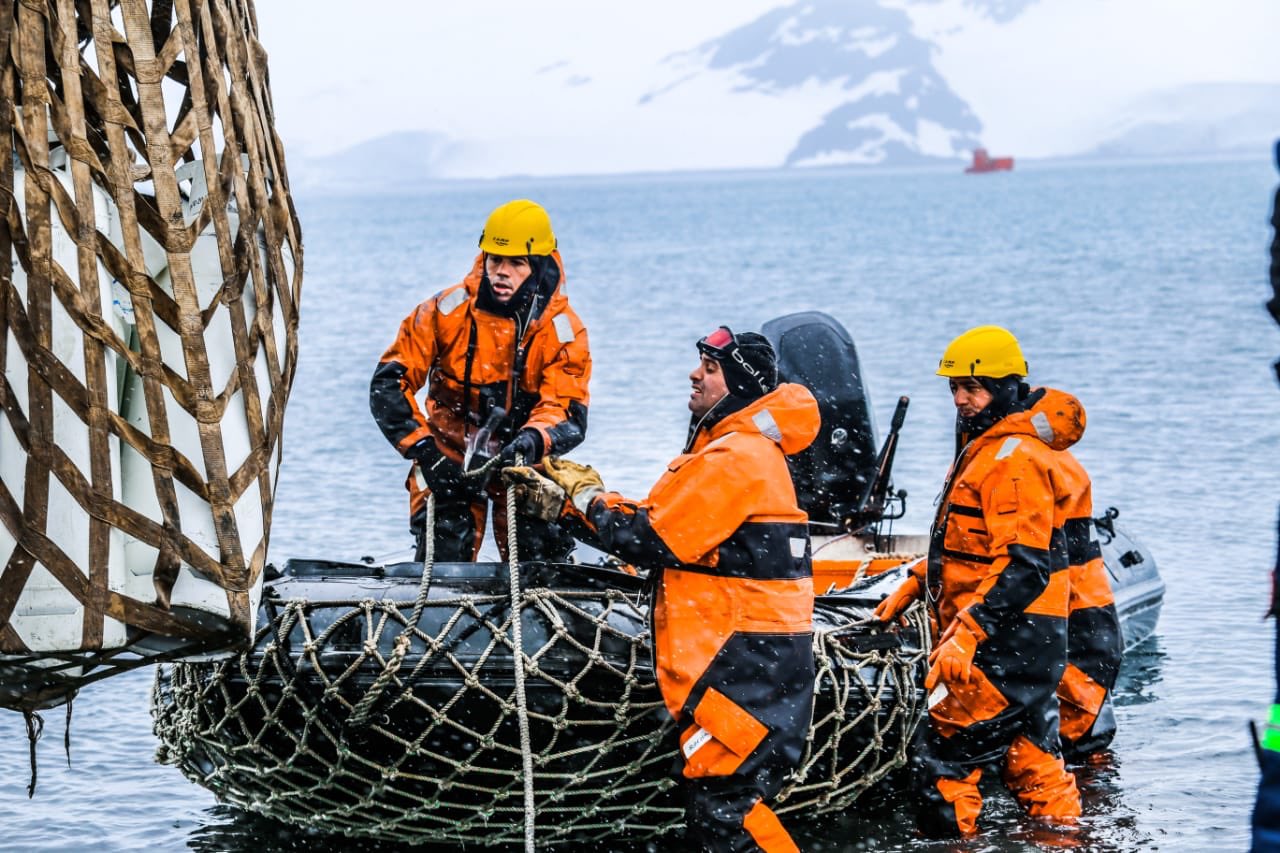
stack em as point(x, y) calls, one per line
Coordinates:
point(518, 228)
point(983, 351)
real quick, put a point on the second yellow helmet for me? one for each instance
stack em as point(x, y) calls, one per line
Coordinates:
point(517, 228)
point(983, 351)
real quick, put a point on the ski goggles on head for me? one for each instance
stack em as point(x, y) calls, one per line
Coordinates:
point(719, 344)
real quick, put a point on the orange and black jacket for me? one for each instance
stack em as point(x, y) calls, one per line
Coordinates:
point(1095, 648)
point(1013, 530)
point(728, 552)
point(472, 360)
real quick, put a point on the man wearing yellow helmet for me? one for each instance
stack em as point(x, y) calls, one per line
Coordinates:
point(502, 346)
point(1014, 569)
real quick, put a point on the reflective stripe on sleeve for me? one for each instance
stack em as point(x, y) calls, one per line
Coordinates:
point(452, 300)
point(1010, 445)
point(564, 328)
point(767, 425)
point(1043, 428)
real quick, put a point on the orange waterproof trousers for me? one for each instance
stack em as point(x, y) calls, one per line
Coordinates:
point(951, 801)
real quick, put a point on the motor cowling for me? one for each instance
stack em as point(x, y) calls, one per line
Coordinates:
point(832, 474)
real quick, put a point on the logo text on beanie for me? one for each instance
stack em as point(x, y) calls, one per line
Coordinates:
point(750, 368)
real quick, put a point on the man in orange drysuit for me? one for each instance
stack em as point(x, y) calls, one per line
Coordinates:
point(505, 337)
point(1013, 530)
point(727, 550)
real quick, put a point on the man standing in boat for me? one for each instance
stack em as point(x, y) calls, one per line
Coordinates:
point(727, 550)
point(1014, 569)
point(502, 349)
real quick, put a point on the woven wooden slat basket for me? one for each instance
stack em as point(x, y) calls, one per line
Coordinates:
point(148, 332)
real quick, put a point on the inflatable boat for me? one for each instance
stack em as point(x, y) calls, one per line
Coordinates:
point(385, 700)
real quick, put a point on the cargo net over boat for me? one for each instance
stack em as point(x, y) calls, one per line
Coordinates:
point(367, 710)
point(148, 336)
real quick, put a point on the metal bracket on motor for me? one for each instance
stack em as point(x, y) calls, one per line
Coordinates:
point(872, 506)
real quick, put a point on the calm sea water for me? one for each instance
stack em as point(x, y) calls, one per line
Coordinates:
point(1138, 288)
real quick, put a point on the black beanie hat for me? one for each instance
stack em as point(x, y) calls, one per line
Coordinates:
point(747, 360)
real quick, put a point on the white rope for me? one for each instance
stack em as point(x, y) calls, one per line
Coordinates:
point(428, 563)
point(517, 658)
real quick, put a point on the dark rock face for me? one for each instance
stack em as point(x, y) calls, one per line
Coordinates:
point(900, 109)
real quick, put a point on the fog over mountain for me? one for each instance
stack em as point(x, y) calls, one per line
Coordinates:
point(418, 156)
point(1000, 11)
point(1205, 119)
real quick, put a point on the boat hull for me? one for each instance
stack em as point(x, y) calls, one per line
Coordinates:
point(291, 730)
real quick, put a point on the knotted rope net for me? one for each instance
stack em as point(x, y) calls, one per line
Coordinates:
point(349, 718)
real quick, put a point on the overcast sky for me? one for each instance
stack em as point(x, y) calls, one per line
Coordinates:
point(495, 71)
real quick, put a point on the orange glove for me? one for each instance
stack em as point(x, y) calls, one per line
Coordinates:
point(952, 660)
point(899, 600)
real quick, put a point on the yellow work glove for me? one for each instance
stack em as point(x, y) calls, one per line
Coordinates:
point(952, 660)
point(896, 603)
point(535, 494)
point(580, 482)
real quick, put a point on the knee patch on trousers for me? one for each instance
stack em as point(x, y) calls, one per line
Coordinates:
point(1041, 782)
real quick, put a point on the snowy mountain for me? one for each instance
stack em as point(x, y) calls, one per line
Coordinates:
point(1205, 119)
point(891, 105)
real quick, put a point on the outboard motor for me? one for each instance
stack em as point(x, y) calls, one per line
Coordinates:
point(833, 474)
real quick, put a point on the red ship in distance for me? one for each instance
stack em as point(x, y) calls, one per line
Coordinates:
point(983, 162)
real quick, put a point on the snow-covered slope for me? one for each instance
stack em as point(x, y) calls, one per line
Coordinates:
point(1203, 119)
point(878, 97)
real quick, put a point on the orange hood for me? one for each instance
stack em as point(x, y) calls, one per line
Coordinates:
point(1057, 419)
point(788, 415)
